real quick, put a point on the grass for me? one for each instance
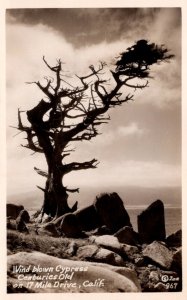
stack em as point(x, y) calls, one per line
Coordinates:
point(58, 247)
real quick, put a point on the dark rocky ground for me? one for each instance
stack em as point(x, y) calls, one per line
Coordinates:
point(102, 237)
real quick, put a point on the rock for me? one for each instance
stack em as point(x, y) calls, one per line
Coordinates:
point(159, 253)
point(111, 211)
point(108, 257)
point(13, 210)
point(11, 224)
point(24, 215)
point(130, 249)
point(88, 218)
point(160, 287)
point(101, 231)
point(143, 276)
point(107, 241)
point(48, 229)
point(21, 221)
point(9, 252)
point(87, 252)
point(151, 223)
point(177, 261)
point(70, 226)
point(152, 267)
point(131, 252)
point(154, 277)
point(139, 261)
point(127, 235)
point(175, 239)
point(87, 277)
point(72, 248)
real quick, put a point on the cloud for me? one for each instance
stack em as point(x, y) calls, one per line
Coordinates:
point(131, 129)
point(129, 173)
point(26, 44)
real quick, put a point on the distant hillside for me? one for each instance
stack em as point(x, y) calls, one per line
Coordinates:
point(132, 196)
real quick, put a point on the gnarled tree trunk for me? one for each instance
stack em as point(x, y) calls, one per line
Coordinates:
point(55, 198)
point(74, 113)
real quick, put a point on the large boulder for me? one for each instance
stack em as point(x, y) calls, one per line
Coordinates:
point(151, 223)
point(127, 235)
point(111, 211)
point(71, 276)
point(13, 210)
point(95, 253)
point(159, 253)
point(175, 239)
point(107, 241)
point(87, 252)
point(88, 218)
point(70, 226)
point(108, 257)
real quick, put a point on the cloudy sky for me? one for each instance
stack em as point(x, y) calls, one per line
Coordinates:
point(141, 146)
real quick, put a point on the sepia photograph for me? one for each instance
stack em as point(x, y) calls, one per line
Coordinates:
point(93, 145)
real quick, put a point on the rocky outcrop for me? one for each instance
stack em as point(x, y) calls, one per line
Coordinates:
point(88, 218)
point(111, 211)
point(13, 210)
point(159, 253)
point(81, 277)
point(175, 239)
point(127, 235)
point(70, 226)
point(151, 223)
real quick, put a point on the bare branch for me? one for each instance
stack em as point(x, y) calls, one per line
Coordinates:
point(40, 188)
point(64, 155)
point(135, 86)
point(40, 172)
point(72, 190)
point(75, 166)
point(120, 101)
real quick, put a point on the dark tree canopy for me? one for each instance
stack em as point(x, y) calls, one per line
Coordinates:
point(136, 60)
point(74, 113)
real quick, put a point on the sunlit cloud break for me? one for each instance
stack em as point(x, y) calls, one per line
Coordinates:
point(131, 129)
